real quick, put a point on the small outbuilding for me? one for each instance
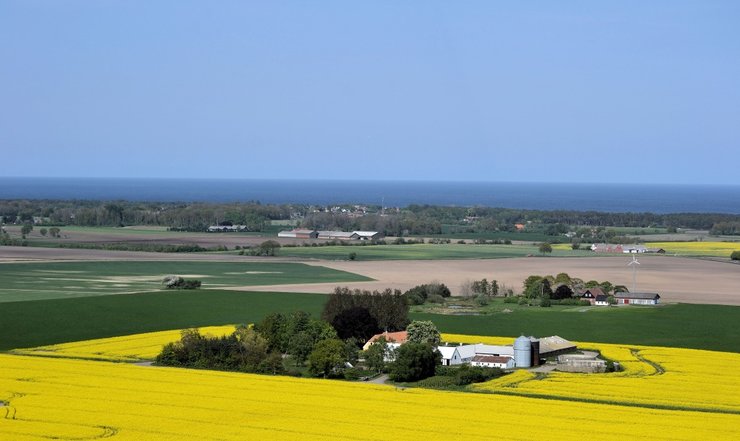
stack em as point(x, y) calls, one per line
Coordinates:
point(601, 300)
point(493, 361)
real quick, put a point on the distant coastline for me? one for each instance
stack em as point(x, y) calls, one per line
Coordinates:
point(653, 198)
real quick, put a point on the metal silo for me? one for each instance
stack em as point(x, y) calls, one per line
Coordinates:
point(522, 352)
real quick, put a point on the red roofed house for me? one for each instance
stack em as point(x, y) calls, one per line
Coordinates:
point(394, 339)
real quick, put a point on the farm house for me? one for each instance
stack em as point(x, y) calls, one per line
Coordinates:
point(637, 298)
point(394, 339)
point(590, 294)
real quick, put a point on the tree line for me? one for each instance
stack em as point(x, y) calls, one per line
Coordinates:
point(410, 220)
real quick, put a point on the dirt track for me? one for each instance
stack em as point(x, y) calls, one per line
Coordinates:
point(676, 279)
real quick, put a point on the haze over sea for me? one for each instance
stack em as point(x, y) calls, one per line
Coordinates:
point(543, 196)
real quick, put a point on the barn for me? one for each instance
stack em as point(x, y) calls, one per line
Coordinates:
point(637, 298)
point(299, 234)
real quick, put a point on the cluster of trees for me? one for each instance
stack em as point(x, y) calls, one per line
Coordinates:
point(725, 228)
point(261, 348)
point(362, 313)
point(245, 350)
point(178, 215)
point(562, 287)
point(429, 292)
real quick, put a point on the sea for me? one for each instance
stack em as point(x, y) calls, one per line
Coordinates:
point(627, 197)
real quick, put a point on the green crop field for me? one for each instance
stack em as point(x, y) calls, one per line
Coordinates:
point(36, 281)
point(424, 252)
point(42, 322)
point(711, 327)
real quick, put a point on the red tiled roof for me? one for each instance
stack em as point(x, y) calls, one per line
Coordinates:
point(396, 337)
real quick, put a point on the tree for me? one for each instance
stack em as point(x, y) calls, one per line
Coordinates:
point(268, 248)
point(54, 231)
point(300, 347)
point(414, 362)
point(545, 248)
point(274, 329)
point(423, 332)
point(43, 231)
point(352, 256)
point(355, 322)
point(252, 346)
point(494, 288)
point(735, 255)
point(327, 358)
point(562, 292)
point(389, 307)
point(538, 288)
point(377, 354)
point(26, 228)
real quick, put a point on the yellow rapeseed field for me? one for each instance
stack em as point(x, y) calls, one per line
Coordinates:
point(134, 347)
point(653, 376)
point(721, 249)
point(81, 399)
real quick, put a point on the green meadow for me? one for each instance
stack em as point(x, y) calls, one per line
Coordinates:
point(38, 281)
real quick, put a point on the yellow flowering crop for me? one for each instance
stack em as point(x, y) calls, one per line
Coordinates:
point(666, 377)
point(127, 348)
point(82, 399)
point(722, 249)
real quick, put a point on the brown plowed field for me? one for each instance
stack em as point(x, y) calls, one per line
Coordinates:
point(676, 279)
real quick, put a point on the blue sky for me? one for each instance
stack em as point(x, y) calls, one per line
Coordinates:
point(470, 90)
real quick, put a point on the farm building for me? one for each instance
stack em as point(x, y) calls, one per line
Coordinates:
point(633, 249)
point(394, 339)
point(590, 294)
point(585, 363)
point(553, 345)
point(606, 248)
point(338, 235)
point(637, 298)
point(368, 235)
point(601, 300)
point(299, 234)
point(452, 355)
point(493, 361)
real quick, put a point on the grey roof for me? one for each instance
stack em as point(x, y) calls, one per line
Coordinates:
point(602, 298)
point(491, 359)
point(637, 295)
point(554, 343)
